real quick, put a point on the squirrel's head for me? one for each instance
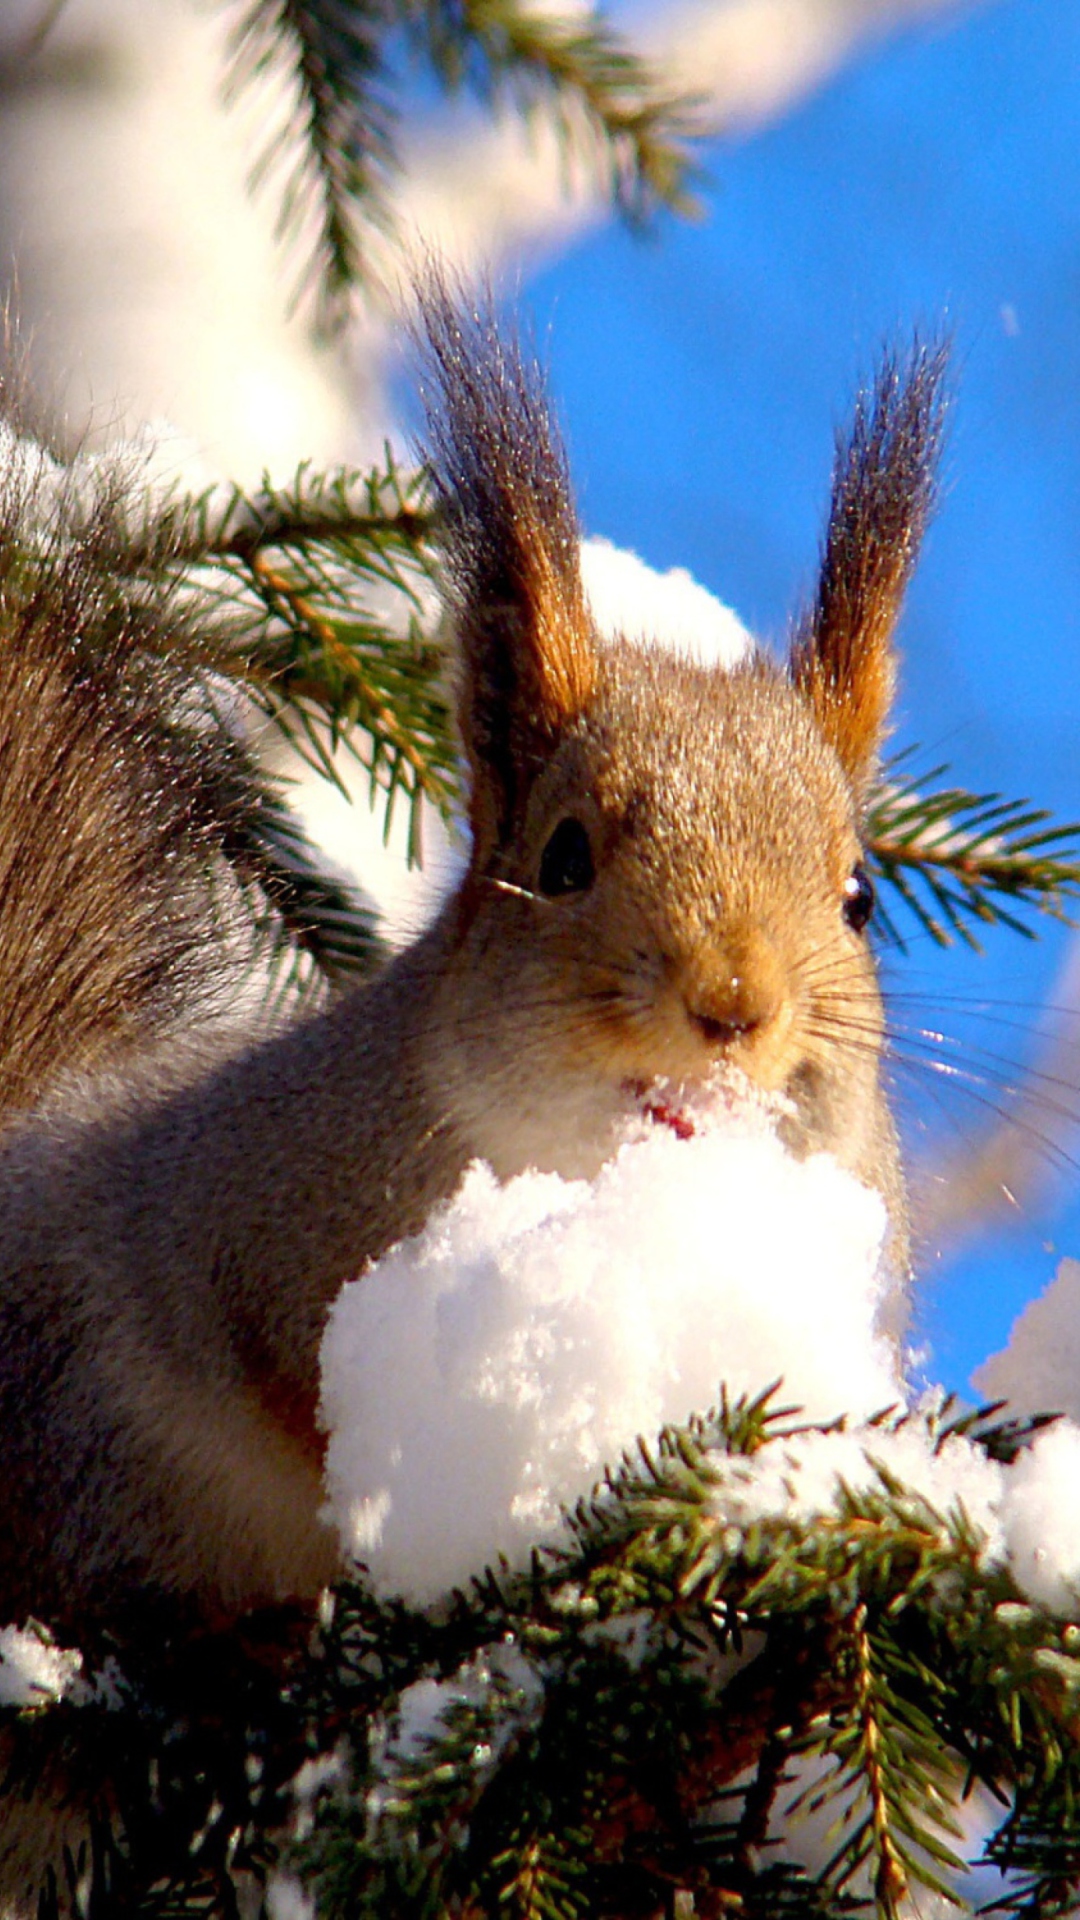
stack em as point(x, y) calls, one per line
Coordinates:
point(666, 885)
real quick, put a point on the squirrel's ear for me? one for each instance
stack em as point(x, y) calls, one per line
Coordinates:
point(528, 658)
point(883, 491)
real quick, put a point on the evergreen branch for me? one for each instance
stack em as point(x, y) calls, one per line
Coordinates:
point(954, 858)
point(380, 512)
point(585, 76)
point(314, 598)
point(318, 930)
point(600, 1735)
point(336, 143)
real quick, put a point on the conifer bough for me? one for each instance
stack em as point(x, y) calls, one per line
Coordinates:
point(333, 155)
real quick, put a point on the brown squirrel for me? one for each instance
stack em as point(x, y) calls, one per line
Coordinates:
point(665, 877)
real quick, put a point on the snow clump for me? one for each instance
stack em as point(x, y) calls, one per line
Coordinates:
point(33, 1669)
point(629, 599)
point(481, 1376)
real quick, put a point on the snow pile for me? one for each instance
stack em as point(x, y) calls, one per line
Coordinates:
point(1028, 1513)
point(1039, 1372)
point(481, 1375)
point(627, 598)
point(33, 1669)
point(1041, 1520)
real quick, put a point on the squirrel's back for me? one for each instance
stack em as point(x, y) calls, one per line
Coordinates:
point(116, 795)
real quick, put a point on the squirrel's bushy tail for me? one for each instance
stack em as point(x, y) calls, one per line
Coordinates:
point(119, 788)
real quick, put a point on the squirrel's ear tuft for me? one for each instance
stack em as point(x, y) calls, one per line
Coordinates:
point(883, 493)
point(528, 658)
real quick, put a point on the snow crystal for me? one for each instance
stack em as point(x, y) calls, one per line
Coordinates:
point(482, 1375)
point(631, 599)
point(33, 1670)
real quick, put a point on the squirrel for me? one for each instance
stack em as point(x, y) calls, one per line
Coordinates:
point(665, 881)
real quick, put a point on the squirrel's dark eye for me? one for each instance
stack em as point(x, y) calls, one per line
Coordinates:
point(858, 899)
point(566, 864)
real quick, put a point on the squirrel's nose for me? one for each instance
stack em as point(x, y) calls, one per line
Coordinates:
point(719, 1032)
point(736, 992)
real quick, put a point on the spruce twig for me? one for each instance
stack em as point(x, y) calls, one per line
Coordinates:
point(585, 76)
point(578, 1740)
point(955, 858)
point(320, 605)
point(335, 145)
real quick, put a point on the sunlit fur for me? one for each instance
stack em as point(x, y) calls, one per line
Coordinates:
point(690, 951)
point(112, 811)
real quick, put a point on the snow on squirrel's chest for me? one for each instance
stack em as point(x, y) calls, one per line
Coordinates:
point(481, 1375)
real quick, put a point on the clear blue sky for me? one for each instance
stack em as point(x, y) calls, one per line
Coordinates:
point(700, 378)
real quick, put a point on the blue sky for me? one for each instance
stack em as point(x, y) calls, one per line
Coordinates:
point(700, 378)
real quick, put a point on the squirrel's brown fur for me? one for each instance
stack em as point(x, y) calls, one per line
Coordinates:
point(114, 800)
point(662, 859)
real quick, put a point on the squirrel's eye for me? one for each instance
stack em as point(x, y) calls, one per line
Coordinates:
point(566, 864)
point(858, 899)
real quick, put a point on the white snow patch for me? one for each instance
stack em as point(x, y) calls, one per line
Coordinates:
point(498, 1678)
point(632, 600)
point(803, 1830)
point(33, 1669)
point(1041, 1519)
point(482, 1375)
point(425, 1710)
point(286, 1899)
point(1039, 1372)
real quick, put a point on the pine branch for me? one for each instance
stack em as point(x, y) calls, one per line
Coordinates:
point(586, 77)
point(318, 930)
point(336, 143)
point(382, 514)
point(613, 1732)
point(316, 598)
point(954, 858)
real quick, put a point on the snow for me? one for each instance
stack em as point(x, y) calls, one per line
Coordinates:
point(1039, 1372)
point(481, 1376)
point(33, 1670)
point(796, 1480)
point(426, 1710)
point(498, 1682)
point(671, 609)
point(287, 1900)
point(1041, 1517)
point(803, 1830)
